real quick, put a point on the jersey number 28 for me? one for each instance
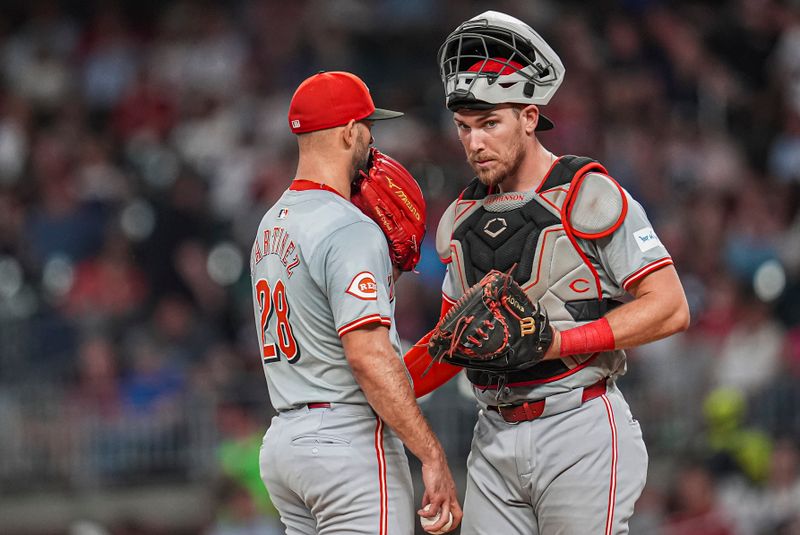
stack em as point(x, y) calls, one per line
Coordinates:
point(276, 302)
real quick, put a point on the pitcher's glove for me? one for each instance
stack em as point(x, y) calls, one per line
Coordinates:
point(390, 196)
point(494, 327)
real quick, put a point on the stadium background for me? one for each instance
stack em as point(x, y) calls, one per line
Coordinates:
point(141, 142)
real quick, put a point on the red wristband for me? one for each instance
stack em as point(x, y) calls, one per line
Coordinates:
point(593, 337)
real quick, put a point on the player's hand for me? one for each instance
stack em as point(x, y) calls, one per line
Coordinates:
point(440, 493)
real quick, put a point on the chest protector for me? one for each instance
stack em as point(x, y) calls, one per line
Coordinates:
point(536, 233)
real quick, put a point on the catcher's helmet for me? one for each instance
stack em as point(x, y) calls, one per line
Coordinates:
point(494, 58)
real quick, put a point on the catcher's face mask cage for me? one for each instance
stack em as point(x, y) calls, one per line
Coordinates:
point(494, 58)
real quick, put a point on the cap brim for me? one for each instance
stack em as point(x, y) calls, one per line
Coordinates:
point(380, 114)
point(469, 103)
point(544, 123)
point(456, 103)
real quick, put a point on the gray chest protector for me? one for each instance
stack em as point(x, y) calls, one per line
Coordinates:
point(535, 234)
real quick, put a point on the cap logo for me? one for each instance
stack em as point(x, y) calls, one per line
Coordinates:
point(364, 287)
point(295, 123)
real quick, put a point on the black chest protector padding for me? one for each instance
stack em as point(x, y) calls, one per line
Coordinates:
point(498, 240)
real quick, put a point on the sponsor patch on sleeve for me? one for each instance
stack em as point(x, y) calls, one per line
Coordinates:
point(646, 239)
point(364, 287)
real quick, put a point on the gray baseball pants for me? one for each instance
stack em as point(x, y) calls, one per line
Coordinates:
point(578, 472)
point(337, 471)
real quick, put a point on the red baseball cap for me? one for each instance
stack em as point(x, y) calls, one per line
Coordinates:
point(330, 99)
point(501, 66)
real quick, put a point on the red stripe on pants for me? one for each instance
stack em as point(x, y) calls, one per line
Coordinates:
point(612, 489)
point(384, 513)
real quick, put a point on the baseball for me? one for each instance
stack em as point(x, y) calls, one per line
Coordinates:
point(430, 521)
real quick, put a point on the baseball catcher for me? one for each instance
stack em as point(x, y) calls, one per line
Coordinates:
point(391, 197)
point(553, 423)
point(494, 327)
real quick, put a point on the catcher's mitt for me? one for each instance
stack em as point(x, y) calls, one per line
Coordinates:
point(391, 197)
point(494, 327)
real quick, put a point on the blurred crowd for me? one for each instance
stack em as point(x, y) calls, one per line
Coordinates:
point(141, 143)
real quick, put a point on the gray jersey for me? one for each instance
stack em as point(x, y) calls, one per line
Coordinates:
point(320, 268)
point(619, 259)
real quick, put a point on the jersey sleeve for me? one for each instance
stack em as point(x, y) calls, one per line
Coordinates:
point(633, 250)
point(356, 275)
point(451, 287)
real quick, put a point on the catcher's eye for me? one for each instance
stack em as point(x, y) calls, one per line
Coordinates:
point(490, 124)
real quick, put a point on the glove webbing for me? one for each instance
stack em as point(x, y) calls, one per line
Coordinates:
point(462, 325)
point(464, 322)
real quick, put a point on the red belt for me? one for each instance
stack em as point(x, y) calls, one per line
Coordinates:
point(530, 410)
point(320, 405)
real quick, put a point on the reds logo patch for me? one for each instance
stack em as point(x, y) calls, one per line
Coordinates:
point(364, 287)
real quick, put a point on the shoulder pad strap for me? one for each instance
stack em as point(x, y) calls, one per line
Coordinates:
point(444, 232)
point(564, 170)
point(596, 207)
point(474, 190)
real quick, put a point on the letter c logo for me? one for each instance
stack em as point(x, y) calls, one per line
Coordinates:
point(579, 285)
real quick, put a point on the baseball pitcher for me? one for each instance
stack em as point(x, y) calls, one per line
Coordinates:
point(322, 279)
